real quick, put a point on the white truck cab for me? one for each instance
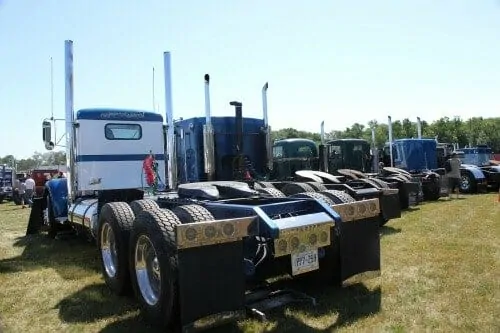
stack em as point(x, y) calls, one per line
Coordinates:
point(112, 145)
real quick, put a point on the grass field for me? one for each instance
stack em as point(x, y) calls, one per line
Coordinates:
point(440, 273)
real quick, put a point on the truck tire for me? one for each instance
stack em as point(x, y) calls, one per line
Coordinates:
point(115, 223)
point(294, 188)
point(143, 204)
point(192, 213)
point(260, 185)
point(1, 198)
point(314, 195)
point(273, 192)
point(317, 186)
point(156, 289)
point(338, 197)
point(468, 183)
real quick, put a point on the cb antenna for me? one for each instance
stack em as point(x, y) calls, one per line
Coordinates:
point(51, 90)
point(154, 104)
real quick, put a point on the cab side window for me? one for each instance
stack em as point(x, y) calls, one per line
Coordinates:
point(278, 152)
point(335, 151)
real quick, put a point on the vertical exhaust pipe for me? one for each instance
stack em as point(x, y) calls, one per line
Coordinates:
point(389, 122)
point(208, 135)
point(322, 133)
point(69, 119)
point(374, 151)
point(323, 153)
point(238, 113)
point(171, 154)
point(419, 128)
point(267, 129)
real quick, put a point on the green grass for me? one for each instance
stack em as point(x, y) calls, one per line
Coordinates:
point(440, 273)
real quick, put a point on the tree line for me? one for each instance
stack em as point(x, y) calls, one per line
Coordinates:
point(477, 130)
point(35, 161)
point(471, 132)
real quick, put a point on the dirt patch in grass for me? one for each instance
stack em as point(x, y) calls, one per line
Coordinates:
point(440, 273)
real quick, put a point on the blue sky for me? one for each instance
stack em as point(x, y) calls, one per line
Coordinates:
point(339, 61)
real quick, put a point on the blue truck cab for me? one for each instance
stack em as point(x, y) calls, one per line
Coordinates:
point(479, 157)
point(419, 158)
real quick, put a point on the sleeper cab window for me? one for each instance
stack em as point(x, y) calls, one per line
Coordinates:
point(123, 131)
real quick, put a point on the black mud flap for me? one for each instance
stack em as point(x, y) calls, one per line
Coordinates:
point(412, 189)
point(359, 249)
point(36, 216)
point(211, 285)
point(390, 204)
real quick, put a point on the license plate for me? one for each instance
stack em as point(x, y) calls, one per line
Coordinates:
point(305, 262)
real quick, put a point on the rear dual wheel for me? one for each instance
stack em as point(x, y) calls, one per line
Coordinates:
point(153, 260)
point(115, 223)
point(153, 265)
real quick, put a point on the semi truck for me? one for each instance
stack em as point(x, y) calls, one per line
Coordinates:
point(353, 159)
point(7, 181)
point(174, 225)
point(479, 157)
point(298, 159)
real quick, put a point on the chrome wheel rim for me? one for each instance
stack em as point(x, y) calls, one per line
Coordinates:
point(465, 183)
point(108, 250)
point(147, 270)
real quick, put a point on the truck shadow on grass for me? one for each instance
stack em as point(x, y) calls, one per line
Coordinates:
point(387, 230)
point(72, 258)
point(336, 307)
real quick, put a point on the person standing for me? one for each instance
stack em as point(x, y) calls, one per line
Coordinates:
point(29, 190)
point(454, 177)
point(21, 189)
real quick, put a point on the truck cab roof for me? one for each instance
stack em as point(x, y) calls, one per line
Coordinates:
point(117, 115)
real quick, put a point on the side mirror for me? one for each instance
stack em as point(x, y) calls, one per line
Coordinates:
point(47, 135)
point(46, 131)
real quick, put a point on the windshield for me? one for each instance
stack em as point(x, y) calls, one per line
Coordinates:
point(480, 159)
point(479, 156)
point(295, 150)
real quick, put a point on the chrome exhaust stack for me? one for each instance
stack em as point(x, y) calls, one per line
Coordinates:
point(374, 151)
point(70, 119)
point(267, 129)
point(323, 150)
point(322, 132)
point(171, 151)
point(389, 123)
point(419, 128)
point(208, 135)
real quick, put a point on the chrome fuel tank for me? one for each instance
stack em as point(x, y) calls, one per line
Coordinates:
point(84, 212)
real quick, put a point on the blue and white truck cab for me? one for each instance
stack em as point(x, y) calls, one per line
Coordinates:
point(194, 249)
point(109, 150)
point(115, 140)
